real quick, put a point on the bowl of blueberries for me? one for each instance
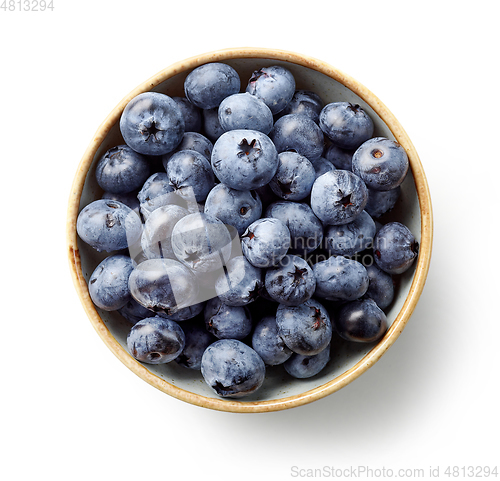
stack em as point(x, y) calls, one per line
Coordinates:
point(249, 230)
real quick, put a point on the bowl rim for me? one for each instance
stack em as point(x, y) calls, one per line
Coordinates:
point(421, 268)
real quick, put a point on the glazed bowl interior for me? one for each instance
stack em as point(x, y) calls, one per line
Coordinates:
point(348, 360)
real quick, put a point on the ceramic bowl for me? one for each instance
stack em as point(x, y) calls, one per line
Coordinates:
point(349, 360)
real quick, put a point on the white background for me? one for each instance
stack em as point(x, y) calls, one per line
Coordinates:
point(70, 410)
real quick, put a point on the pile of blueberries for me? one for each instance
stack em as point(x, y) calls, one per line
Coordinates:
point(241, 228)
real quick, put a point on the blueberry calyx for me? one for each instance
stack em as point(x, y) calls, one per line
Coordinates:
point(192, 257)
point(251, 150)
point(377, 153)
point(298, 274)
point(355, 108)
point(318, 319)
point(150, 130)
point(345, 200)
point(285, 187)
point(250, 235)
point(254, 293)
point(257, 74)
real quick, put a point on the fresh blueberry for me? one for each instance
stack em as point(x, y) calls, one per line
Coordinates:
point(340, 158)
point(381, 201)
point(381, 286)
point(340, 279)
point(244, 159)
point(227, 322)
point(232, 369)
point(163, 285)
point(348, 239)
point(238, 208)
point(207, 85)
point(197, 340)
point(338, 197)
point(245, 111)
point(133, 312)
point(108, 225)
point(294, 178)
point(361, 321)
point(190, 174)
point(274, 85)
point(152, 124)
point(239, 285)
point(108, 284)
point(211, 125)
point(322, 166)
point(395, 248)
point(186, 313)
point(156, 240)
point(121, 170)
point(291, 282)
point(345, 124)
point(381, 163)
point(303, 367)
point(306, 231)
point(191, 141)
point(306, 329)
point(300, 134)
point(202, 242)
point(190, 113)
point(156, 192)
point(265, 242)
point(155, 340)
point(267, 342)
point(305, 103)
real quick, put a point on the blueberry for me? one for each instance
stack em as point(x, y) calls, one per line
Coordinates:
point(232, 369)
point(163, 285)
point(305, 103)
point(294, 178)
point(156, 240)
point(338, 197)
point(340, 279)
point(361, 321)
point(121, 170)
point(108, 284)
point(381, 286)
point(265, 242)
point(207, 85)
point(152, 124)
point(197, 340)
point(201, 242)
point(227, 322)
point(244, 159)
point(322, 166)
point(267, 342)
point(306, 231)
point(191, 141)
point(274, 85)
point(155, 340)
point(186, 313)
point(306, 329)
point(239, 285)
point(190, 113)
point(190, 174)
point(381, 163)
point(291, 282)
point(348, 239)
point(303, 367)
point(345, 124)
point(381, 201)
point(108, 225)
point(340, 158)
point(395, 248)
point(133, 312)
point(267, 196)
point(238, 208)
point(211, 125)
point(156, 192)
point(300, 134)
point(245, 111)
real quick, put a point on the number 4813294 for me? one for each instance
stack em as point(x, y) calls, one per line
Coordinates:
point(26, 5)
